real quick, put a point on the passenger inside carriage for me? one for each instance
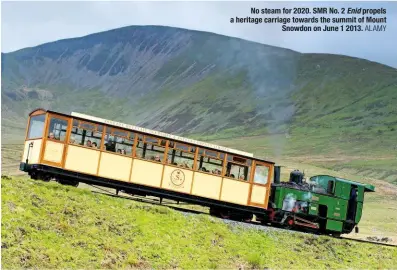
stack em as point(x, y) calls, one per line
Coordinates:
point(94, 145)
point(52, 136)
point(157, 158)
point(110, 146)
point(89, 143)
point(121, 151)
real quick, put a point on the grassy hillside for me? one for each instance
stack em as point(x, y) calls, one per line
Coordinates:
point(46, 225)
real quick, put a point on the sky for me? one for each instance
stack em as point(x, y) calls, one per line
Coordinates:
point(27, 24)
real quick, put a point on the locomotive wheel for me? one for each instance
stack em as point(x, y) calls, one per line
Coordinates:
point(289, 223)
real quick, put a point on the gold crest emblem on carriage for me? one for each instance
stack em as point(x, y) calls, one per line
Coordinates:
point(177, 177)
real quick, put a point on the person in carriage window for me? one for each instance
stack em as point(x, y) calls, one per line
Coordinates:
point(110, 145)
point(52, 136)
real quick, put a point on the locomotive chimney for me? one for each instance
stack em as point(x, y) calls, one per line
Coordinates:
point(276, 178)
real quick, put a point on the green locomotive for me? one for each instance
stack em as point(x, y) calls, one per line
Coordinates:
point(324, 204)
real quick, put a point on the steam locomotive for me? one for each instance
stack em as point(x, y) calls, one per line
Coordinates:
point(323, 204)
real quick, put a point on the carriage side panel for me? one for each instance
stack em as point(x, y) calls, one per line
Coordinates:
point(177, 179)
point(115, 166)
point(235, 191)
point(206, 185)
point(81, 159)
point(146, 173)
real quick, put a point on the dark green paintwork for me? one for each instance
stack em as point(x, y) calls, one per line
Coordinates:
point(334, 225)
point(313, 209)
point(335, 197)
point(367, 187)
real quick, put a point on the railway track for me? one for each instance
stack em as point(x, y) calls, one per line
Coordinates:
point(191, 211)
point(371, 242)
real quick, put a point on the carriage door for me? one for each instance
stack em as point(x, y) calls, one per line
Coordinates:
point(260, 184)
point(55, 140)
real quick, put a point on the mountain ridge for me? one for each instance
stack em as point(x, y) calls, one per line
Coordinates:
point(190, 30)
point(145, 26)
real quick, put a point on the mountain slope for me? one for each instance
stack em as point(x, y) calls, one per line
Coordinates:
point(137, 64)
point(213, 87)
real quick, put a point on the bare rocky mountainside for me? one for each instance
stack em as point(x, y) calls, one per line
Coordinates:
point(212, 87)
point(173, 79)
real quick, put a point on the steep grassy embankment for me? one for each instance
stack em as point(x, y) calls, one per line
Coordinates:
point(46, 225)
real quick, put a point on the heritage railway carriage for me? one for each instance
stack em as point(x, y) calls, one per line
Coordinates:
point(234, 184)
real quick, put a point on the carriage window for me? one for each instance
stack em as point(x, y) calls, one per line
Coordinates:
point(238, 168)
point(85, 125)
point(213, 154)
point(261, 174)
point(86, 134)
point(36, 126)
point(181, 155)
point(208, 163)
point(119, 141)
point(182, 146)
point(57, 129)
point(238, 171)
point(151, 140)
point(150, 148)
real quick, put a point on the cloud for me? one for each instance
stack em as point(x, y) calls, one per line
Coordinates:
point(26, 24)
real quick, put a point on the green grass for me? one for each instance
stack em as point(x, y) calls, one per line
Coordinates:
point(46, 225)
point(379, 216)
